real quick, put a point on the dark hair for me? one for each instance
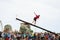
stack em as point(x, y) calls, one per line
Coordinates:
point(38, 15)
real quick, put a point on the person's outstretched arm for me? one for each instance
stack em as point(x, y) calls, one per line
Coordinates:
point(35, 13)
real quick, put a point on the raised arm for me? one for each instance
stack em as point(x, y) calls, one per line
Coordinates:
point(35, 13)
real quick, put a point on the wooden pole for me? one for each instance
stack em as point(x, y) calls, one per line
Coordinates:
point(36, 26)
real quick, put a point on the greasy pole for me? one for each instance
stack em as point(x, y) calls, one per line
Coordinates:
point(36, 26)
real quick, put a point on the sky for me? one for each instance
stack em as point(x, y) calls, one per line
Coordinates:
point(49, 11)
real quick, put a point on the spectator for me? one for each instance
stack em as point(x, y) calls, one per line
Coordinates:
point(0, 35)
point(42, 36)
point(59, 37)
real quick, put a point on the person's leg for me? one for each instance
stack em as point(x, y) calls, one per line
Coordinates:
point(34, 21)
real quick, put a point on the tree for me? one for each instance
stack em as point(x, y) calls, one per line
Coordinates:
point(8, 27)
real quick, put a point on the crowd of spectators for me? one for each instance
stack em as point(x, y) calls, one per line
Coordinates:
point(27, 36)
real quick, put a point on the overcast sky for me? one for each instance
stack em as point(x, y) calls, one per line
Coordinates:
point(24, 9)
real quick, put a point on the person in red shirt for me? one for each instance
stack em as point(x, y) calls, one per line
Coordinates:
point(7, 38)
point(35, 18)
